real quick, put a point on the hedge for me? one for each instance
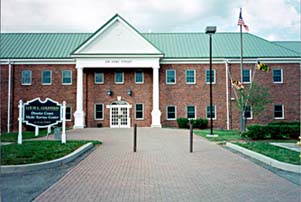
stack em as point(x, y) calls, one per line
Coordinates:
point(273, 131)
point(197, 123)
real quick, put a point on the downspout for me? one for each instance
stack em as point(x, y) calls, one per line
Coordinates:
point(9, 95)
point(227, 94)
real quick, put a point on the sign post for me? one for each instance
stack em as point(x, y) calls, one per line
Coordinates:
point(64, 123)
point(20, 122)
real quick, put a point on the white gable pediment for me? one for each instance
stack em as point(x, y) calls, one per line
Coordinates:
point(116, 37)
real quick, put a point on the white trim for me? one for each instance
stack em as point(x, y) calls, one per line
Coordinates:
point(278, 82)
point(39, 61)
point(139, 119)
point(142, 77)
point(250, 76)
point(282, 112)
point(95, 111)
point(62, 73)
point(171, 83)
point(26, 84)
point(122, 82)
point(70, 113)
point(171, 119)
point(46, 84)
point(195, 115)
point(214, 76)
point(103, 78)
point(227, 95)
point(194, 76)
point(215, 113)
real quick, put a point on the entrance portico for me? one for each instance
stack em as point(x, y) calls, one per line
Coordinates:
point(116, 45)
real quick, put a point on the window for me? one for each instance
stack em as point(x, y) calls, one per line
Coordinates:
point(212, 110)
point(139, 112)
point(68, 113)
point(248, 112)
point(246, 76)
point(139, 77)
point(171, 113)
point(277, 76)
point(190, 76)
point(190, 112)
point(98, 111)
point(170, 76)
point(208, 76)
point(26, 77)
point(119, 78)
point(278, 111)
point(98, 78)
point(46, 77)
point(66, 77)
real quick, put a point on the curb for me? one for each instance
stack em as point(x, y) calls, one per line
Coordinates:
point(267, 160)
point(47, 164)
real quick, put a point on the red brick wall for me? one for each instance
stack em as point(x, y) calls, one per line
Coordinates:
point(96, 93)
point(182, 94)
point(55, 91)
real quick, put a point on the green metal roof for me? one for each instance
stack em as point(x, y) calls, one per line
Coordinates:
point(173, 45)
point(292, 45)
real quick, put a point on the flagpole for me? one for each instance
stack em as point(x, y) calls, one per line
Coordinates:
point(241, 77)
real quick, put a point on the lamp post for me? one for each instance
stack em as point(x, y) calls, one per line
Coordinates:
point(210, 30)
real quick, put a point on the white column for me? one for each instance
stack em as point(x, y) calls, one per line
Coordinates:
point(156, 114)
point(79, 115)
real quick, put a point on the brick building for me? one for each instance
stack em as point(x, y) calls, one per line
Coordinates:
point(118, 76)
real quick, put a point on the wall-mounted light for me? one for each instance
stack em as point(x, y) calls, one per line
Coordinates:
point(109, 92)
point(129, 92)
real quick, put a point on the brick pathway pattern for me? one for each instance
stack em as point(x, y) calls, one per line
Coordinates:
point(164, 170)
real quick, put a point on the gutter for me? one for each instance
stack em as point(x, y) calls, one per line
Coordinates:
point(227, 95)
point(9, 94)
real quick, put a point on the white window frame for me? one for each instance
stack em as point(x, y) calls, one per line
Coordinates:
point(250, 75)
point(194, 77)
point(214, 76)
point(171, 119)
point(103, 78)
point(281, 70)
point(215, 114)
point(251, 113)
point(122, 82)
point(95, 111)
point(42, 77)
point(282, 112)
point(171, 83)
point(140, 82)
point(136, 111)
point(70, 113)
point(63, 77)
point(194, 111)
point(26, 84)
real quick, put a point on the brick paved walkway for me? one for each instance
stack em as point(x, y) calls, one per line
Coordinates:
point(164, 170)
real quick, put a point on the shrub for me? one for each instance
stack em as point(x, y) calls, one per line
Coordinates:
point(182, 122)
point(273, 131)
point(200, 123)
point(281, 123)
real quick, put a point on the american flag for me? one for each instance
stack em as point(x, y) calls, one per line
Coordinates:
point(241, 22)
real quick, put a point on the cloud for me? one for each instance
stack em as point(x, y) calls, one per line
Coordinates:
point(265, 18)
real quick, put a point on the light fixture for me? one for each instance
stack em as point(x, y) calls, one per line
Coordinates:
point(109, 92)
point(129, 92)
point(210, 30)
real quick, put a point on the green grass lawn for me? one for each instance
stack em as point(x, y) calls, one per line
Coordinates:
point(223, 135)
point(13, 136)
point(278, 153)
point(38, 151)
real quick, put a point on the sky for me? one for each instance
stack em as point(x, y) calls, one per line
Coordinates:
point(270, 19)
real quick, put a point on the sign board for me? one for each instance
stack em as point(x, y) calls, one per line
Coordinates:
point(42, 114)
